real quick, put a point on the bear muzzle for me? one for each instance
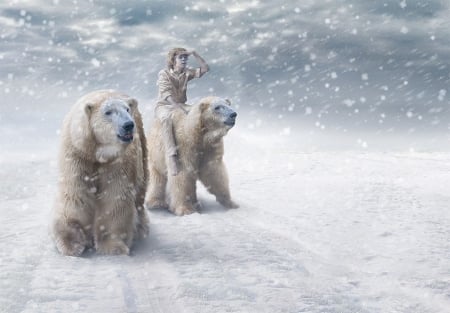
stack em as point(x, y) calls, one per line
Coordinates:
point(231, 119)
point(125, 133)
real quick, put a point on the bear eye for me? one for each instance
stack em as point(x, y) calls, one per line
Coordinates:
point(217, 108)
point(108, 112)
point(128, 109)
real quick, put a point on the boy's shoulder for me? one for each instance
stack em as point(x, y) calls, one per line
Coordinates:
point(163, 71)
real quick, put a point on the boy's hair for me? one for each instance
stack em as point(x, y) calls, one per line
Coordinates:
point(171, 56)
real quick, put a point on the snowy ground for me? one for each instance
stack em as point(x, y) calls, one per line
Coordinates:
point(316, 232)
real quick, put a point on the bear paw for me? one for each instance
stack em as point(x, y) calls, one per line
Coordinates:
point(154, 204)
point(183, 210)
point(228, 203)
point(71, 241)
point(113, 247)
point(70, 248)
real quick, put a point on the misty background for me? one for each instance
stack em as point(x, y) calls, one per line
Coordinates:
point(320, 74)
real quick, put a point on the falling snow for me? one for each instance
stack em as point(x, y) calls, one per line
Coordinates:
point(339, 158)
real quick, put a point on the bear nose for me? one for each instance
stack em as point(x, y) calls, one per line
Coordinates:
point(128, 126)
point(233, 115)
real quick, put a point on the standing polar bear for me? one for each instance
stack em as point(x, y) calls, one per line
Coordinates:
point(103, 174)
point(199, 137)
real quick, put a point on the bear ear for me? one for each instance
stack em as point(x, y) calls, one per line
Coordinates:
point(204, 105)
point(132, 103)
point(88, 108)
point(228, 101)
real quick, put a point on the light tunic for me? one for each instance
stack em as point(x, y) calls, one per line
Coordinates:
point(175, 84)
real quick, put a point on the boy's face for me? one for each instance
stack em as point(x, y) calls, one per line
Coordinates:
point(181, 61)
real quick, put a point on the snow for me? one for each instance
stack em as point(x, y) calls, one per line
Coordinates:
point(317, 231)
point(339, 159)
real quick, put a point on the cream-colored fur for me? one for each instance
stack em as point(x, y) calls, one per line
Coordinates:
point(102, 179)
point(199, 138)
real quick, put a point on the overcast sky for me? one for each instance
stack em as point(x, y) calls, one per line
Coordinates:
point(340, 65)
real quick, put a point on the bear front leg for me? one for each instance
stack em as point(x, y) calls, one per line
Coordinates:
point(70, 239)
point(214, 177)
point(182, 193)
point(114, 227)
point(156, 191)
point(72, 224)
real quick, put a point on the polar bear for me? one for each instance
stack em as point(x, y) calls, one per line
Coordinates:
point(103, 174)
point(199, 136)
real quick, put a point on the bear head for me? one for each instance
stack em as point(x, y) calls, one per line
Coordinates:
point(216, 118)
point(112, 121)
point(104, 126)
point(217, 113)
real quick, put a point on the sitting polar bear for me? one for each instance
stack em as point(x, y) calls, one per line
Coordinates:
point(199, 137)
point(103, 174)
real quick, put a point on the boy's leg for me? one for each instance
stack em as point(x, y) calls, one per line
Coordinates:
point(171, 148)
point(164, 114)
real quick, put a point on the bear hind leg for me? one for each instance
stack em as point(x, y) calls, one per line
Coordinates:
point(156, 191)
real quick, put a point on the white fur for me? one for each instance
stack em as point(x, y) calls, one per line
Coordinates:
point(102, 180)
point(199, 136)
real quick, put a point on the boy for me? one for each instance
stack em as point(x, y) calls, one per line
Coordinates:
point(172, 86)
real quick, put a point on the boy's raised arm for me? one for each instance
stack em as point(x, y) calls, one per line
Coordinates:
point(204, 67)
